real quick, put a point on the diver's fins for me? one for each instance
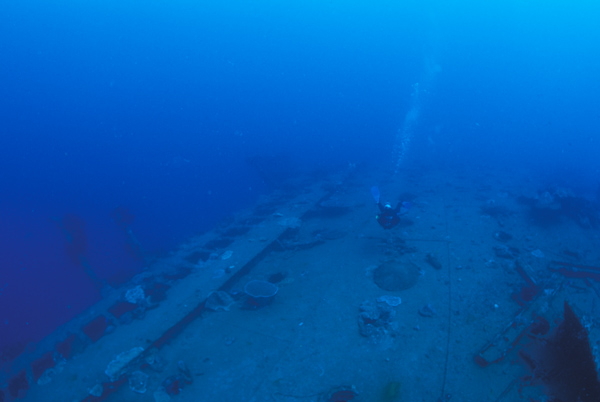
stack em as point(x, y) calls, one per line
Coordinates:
point(405, 206)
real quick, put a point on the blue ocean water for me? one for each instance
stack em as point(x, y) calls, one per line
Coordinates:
point(180, 113)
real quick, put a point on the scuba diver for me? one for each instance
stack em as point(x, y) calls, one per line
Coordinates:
point(388, 217)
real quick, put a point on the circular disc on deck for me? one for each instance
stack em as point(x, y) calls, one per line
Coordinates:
point(394, 275)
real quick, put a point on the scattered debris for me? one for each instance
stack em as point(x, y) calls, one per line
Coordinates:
point(49, 374)
point(154, 361)
point(575, 270)
point(135, 295)
point(392, 301)
point(219, 301)
point(548, 207)
point(117, 366)
point(138, 382)
point(174, 384)
point(376, 319)
point(227, 255)
point(433, 261)
point(97, 390)
point(427, 311)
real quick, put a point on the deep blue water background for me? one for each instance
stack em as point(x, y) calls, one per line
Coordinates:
point(157, 106)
